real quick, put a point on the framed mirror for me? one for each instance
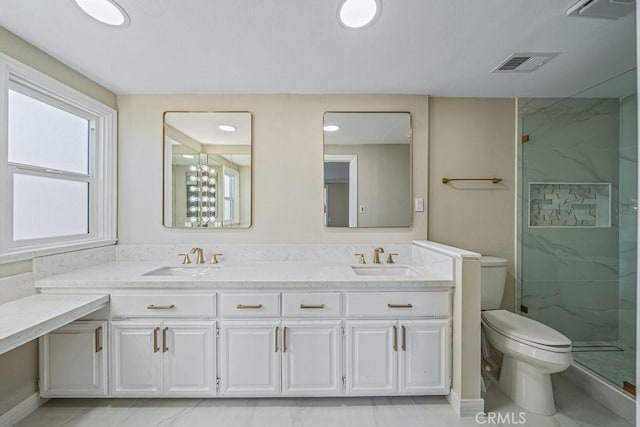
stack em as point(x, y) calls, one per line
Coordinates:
point(367, 169)
point(207, 169)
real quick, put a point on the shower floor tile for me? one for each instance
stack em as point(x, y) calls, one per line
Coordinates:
point(611, 360)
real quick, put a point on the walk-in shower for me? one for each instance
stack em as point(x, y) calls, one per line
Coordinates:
point(578, 223)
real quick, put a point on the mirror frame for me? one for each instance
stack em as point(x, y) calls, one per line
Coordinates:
point(165, 176)
point(411, 177)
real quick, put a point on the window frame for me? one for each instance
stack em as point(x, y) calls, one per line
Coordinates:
point(101, 176)
point(234, 198)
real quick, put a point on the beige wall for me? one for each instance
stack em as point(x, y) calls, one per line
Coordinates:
point(19, 373)
point(19, 367)
point(287, 166)
point(474, 138)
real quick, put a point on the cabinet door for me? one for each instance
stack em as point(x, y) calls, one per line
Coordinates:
point(189, 358)
point(424, 356)
point(73, 361)
point(310, 361)
point(250, 358)
point(371, 357)
point(136, 360)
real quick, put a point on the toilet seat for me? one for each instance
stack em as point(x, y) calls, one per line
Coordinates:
point(526, 331)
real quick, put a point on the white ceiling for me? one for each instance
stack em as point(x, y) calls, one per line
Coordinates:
point(437, 47)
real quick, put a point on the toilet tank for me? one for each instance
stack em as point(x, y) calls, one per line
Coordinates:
point(493, 276)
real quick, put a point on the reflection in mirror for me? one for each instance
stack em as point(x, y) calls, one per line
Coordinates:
point(367, 169)
point(207, 170)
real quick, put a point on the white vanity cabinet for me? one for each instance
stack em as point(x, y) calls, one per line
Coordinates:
point(398, 357)
point(249, 358)
point(269, 358)
point(170, 358)
point(424, 359)
point(73, 360)
point(371, 365)
point(403, 347)
point(163, 345)
point(311, 356)
point(136, 361)
point(255, 343)
point(270, 355)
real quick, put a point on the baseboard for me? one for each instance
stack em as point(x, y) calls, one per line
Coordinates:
point(21, 410)
point(614, 399)
point(465, 408)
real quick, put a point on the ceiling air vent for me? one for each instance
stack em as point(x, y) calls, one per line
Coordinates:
point(524, 62)
point(606, 9)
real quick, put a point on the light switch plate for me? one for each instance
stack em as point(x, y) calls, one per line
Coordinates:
point(362, 209)
point(419, 203)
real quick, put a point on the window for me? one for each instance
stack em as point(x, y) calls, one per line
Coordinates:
point(231, 193)
point(57, 166)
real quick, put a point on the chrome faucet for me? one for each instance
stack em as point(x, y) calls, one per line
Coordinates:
point(200, 254)
point(376, 255)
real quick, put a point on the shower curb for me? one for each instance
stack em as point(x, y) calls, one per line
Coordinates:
point(615, 400)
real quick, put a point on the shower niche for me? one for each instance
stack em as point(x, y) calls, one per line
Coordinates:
point(563, 204)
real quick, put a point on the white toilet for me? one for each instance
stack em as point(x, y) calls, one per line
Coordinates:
point(531, 351)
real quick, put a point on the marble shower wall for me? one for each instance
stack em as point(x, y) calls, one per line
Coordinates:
point(570, 275)
point(628, 219)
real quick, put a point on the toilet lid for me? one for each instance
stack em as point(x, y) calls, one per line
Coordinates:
point(525, 329)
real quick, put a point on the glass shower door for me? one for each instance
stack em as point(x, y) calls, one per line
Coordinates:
point(578, 225)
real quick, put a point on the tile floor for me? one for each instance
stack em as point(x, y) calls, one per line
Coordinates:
point(614, 366)
point(574, 409)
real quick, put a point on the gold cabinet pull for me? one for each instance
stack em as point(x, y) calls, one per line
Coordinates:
point(277, 330)
point(98, 333)
point(400, 305)
point(320, 306)
point(245, 306)
point(160, 307)
point(155, 340)
point(284, 339)
point(165, 347)
point(404, 338)
point(395, 338)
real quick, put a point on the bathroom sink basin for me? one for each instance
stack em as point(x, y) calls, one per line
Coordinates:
point(193, 272)
point(386, 270)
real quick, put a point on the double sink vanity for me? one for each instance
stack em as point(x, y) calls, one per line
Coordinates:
point(298, 326)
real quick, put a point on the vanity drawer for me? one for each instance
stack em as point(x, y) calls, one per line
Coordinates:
point(163, 305)
point(399, 304)
point(265, 304)
point(311, 304)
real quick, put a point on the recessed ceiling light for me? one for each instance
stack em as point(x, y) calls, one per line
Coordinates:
point(188, 156)
point(331, 128)
point(354, 14)
point(227, 128)
point(106, 11)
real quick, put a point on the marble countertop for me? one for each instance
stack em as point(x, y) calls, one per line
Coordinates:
point(267, 274)
point(28, 318)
